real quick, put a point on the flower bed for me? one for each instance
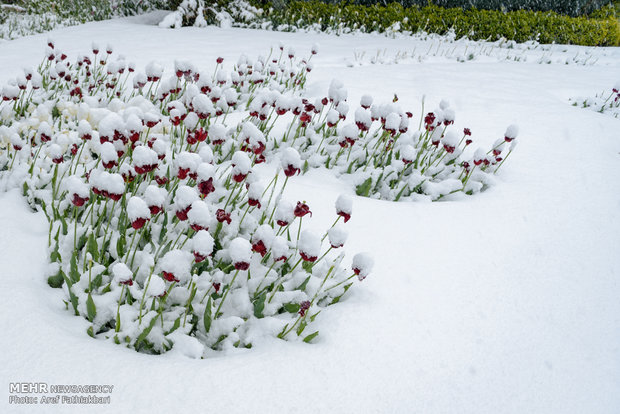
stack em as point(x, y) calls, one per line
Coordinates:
point(164, 230)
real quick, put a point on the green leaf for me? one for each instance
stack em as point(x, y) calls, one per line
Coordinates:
point(286, 268)
point(310, 337)
point(176, 325)
point(337, 298)
point(305, 167)
point(307, 266)
point(91, 309)
point(64, 224)
point(120, 245)
point(90, 332)
point(74, 273)
point(208, 315)
point(364, 188)
point(55, 256)
point(400, 193)
point(305, 282)
point(302, 326)
point(162, 232)
point(145, 333)
point(57, 280)
point(291, 307)
point(92, 247)
point(81, 242)
point(259, 305)
point(313, 317)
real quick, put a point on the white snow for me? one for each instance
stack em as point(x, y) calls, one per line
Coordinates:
point(506, 301)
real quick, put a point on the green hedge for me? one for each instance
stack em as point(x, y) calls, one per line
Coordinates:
point(520, 25)
point(568, 7)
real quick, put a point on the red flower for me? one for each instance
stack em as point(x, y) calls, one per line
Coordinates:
point(254, 203)
point(143, 169)
point(161, 180)
point(198, 257)
point(78, 201)
point(138, 223)
point(197, 227)
point(169, 277)
point(242, 265)
point(127, 282)
point(259, 247)
point(182, 214)
point(182, 173)
point(301, 209)
point(222, 216)
point(467, 132)
point(219, 60)
point(307, 258)
point(303, 307)
point(206, 187)
point(290, 170)
point(239, 177)
point(155, 209)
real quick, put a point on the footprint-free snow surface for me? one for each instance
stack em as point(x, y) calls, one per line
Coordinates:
point(504, 302)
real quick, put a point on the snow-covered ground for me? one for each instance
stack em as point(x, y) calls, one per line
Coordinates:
point(505, 302)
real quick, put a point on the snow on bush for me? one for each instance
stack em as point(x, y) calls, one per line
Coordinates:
point(607, 102)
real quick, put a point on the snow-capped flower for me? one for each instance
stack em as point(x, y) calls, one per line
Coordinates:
point(309, 246)
point(176, 265)
point(344, 207)
point(284, 214)
point(362, 265)
point(138, 212)
point(78, 190)
point(199, 216)
point(407, 154)
point(291, 162)
point(479, 156)
point(366, 101)
point(255, 193)
point(337, 236)
point(240, 252)
point(155, 198)
point(54, 151)
point(261, 239)
point(241, 166)
point(144, 159)
point(202, 245)
point(450, 140)
point(183, 200)
point(122, 274)
point(511, 133)
point(279, 248)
